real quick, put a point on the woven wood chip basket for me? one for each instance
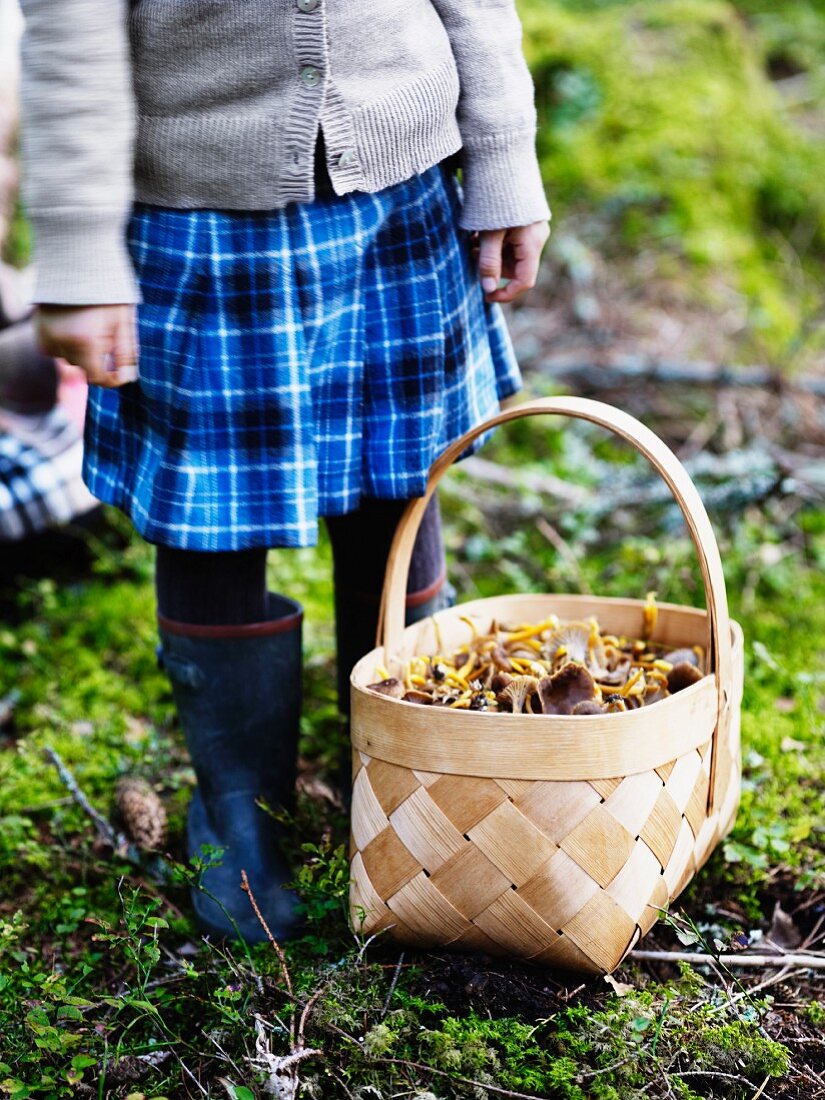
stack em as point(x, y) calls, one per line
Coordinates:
point(555, 839)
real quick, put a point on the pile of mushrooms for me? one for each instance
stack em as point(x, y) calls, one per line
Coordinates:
point(547, 668)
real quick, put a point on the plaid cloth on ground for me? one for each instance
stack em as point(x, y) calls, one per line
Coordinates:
point(293, 361)
point(40, 484)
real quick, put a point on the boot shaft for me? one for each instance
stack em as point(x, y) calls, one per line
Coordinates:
point(237, 690)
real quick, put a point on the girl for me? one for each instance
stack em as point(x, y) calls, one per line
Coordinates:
point(255, 202)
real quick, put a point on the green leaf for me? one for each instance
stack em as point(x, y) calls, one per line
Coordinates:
point(241, 1092)
point(83, 1061)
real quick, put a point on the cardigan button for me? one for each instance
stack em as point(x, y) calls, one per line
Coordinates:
point(347, 158)
point(310, 76)
point(307, 5)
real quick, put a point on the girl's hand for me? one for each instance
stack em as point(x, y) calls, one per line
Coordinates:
point(512, 254)
point(100, 340)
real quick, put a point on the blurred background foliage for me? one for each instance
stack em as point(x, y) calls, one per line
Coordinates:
point(693, 128)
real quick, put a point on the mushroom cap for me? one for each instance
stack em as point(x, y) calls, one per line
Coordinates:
point(414, 696)
point(500, 658)
point(654, 694)
point(575, 637)
point(682, 675)
point(562, 691)
point(392, 687)
point(588, 706)
point(500, 681)
point(517, 692)
point(681, 656)
point(614, 677)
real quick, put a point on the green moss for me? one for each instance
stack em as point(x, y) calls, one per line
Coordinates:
point(658, 119)
point(669, 1033)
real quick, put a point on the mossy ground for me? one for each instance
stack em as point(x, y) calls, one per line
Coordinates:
point(105, 987)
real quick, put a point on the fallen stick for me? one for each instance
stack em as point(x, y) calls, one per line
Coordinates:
point(482, 469)
point(806, 962)
point(620, 372)
point(110, 836)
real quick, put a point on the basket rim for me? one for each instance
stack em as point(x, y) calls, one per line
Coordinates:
point(468, 607)
point(581, 747)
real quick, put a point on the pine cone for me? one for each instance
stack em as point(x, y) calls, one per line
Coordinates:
point(142, 811)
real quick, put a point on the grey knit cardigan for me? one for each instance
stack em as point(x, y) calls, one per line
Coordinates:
point(217, 104)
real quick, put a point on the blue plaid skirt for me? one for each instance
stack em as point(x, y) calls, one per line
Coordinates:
point(293, 361)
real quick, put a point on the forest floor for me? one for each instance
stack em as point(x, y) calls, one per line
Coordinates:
point(689, 229)
point(106, 987)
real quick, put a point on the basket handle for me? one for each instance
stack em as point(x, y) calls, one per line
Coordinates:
point(664, 461)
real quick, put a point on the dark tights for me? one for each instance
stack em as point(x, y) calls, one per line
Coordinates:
point(229, 588)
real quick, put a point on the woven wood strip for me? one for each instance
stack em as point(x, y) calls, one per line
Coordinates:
point(681, 865)
point(470, 882)
point(662, 827)
point(604, 788)
point(465, 799)
point(512, 843)
point(458, 862)
point(559, 888)
point(600, 845)
point(588, 926)
point(511, 922)
point(424, 909)
point(363, 897)
point(556, 808)
point(633, 800)
point(388, 863)
point(391, 784)
point(564, 954)
point(638, 882)
point(427, 832)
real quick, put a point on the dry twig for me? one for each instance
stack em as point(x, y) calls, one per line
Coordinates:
point(805, 962)
point(107, 834)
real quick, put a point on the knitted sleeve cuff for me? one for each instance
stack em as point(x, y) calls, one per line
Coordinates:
point(81, 258)
point(502, 183)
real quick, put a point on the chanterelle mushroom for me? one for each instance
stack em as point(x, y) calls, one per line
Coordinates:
point(568, 687)
point(655, 693)
point(500, 681)
point(517, 692)
point(682, 675)
point(392, 687)
point(579, 642)
point(422, 697)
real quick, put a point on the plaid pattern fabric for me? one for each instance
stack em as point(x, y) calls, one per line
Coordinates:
point(40, 483)
point(293, 361)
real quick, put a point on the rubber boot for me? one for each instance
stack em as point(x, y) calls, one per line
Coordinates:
point(238, 694)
